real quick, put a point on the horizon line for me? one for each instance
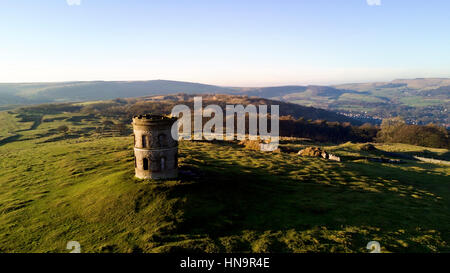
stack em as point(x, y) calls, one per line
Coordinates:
point(229, 86)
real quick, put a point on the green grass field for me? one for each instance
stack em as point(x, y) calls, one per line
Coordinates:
point(10, 125)
point(359, 97)
point(56, 188)
point(418, 101)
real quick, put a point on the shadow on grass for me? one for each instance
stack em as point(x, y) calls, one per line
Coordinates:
point(228, 198)
point(9, 139)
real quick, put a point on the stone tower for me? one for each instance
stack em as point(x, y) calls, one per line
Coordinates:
point(155, 151)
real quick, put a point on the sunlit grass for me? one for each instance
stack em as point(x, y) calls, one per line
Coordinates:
point(9, 125)
point(238, 200)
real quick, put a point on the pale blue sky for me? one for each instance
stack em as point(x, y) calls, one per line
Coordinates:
point(226, 42)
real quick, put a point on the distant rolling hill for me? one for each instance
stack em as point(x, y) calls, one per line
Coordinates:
point(419, 101)
point(17, 93)
point(101, 90)
point(283, 91)
point(29, 93)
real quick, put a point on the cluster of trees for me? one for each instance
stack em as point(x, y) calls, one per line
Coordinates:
point(317, 130)
point(395, 130)
point(130, 107)
point(324, 131)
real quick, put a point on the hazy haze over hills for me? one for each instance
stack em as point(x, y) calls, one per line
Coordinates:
point(92, 90)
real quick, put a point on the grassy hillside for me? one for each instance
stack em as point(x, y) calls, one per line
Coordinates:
point(10, 125)
point(56, 187)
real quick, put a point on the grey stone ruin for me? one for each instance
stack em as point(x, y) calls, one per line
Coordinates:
point(155, 151)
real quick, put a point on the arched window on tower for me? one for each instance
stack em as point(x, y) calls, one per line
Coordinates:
point(145, 162)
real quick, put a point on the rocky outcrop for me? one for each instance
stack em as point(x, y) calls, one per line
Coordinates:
point(317, 152)
point(334, 158)
point(311, 151)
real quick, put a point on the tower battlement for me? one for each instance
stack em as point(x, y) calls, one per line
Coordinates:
point(150, 117)
point(153, 120)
